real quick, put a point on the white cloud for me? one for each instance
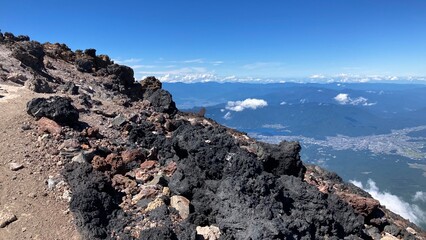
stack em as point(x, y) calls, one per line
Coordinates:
point(216, 63)
point(198, 60)
point(393, 202)
point(343, 98)
point(420, 196)
point(252, 103)
point(188, 78)
point(127, 61)
point(143, 66)
point(317, 76)
point(274, 126)
point(194, 75)
point(227, 116)
point(191, 74)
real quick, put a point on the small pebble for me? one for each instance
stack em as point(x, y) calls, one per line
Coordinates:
point(6, 218)
point(32, 195)
point(15, 166)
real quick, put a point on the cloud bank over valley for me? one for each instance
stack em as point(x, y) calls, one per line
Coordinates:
point(393, 202)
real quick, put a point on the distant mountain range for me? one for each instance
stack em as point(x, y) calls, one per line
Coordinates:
point(310, 109)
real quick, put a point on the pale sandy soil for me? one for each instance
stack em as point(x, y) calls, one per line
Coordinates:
point(40, 215)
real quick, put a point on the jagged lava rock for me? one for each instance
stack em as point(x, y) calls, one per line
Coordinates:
point(230, 187)
point(94, 200)
point(10, 37)
point(160, 99)
point(55, 108)
point(122, 77)
point(84, 64)
point(29, 53)
point(59, 51)
point(151, 83)
point(282, 159)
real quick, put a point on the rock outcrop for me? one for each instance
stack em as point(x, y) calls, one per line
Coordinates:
point(138, 168)
point(30, 53)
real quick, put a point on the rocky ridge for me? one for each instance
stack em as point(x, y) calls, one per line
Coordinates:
point(132, 166)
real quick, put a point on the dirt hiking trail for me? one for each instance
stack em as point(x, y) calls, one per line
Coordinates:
point(27, 208)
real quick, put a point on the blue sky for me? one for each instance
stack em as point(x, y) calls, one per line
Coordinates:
point(252, 40)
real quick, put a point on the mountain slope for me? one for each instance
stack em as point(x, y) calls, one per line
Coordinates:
point(138, 168)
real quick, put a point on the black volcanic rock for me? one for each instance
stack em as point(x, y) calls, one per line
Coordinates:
point(230, 188)
point(69, 87)
point(88, 62)
point(102, 61)
point(90, 52)
point(123, 74)
point(122, 77)
point(162, 101)
point(56, 108)
point(84, 64)
point(94, 201)
point(10, 37)
point(283, 159)
point(30, 53)
point(150, 85)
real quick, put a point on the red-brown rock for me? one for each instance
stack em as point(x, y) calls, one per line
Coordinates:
point(170, 168)
point(148, 165)
point(131, 155)
point(124, 183)
point(114, 161)
point(49, 126)
point(99, 163)
point(93, 132)
point(362, 205)
point(143, 176)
